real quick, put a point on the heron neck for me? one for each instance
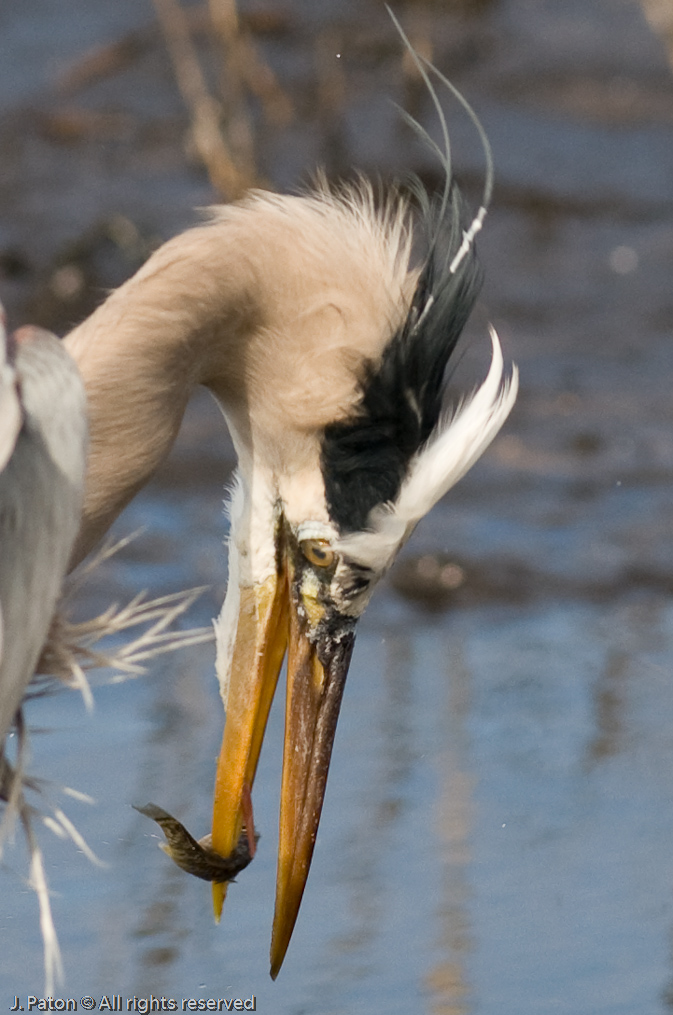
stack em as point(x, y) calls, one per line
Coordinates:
point(182, 320)
point(274, 306)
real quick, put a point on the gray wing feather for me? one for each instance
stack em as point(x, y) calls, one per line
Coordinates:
point(10, 406)
point(41, 489)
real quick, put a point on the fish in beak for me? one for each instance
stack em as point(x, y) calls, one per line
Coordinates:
point(291, 610)
point(197, 857)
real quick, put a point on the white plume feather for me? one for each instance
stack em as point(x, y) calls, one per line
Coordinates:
point(458, 441)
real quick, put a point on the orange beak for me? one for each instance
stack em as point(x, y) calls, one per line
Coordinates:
point(259, 649)
point(272, 616)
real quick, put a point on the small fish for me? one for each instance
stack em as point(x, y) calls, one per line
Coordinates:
point(198, 857)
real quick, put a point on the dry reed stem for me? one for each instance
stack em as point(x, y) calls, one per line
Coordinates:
point(243, 65)
point(205, 112)
point(104, 60)
point(659, 13)
point(221, 131)
point(226, 25)
point(72, 649)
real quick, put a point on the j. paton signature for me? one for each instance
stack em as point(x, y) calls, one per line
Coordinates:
point(142, 1005)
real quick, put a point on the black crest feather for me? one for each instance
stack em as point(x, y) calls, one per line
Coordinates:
point(365, 458)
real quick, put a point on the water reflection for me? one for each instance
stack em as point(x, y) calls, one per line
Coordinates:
point(448, 982)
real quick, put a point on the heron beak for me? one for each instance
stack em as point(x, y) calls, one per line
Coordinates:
point(316, 675)
point(259, 649)
point(273, 616)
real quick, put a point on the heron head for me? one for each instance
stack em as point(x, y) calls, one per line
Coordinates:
point(310, 542)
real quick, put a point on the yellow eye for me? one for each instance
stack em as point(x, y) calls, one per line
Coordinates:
point(317, 552)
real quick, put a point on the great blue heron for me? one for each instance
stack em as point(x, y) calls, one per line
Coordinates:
point(43, 433)
point(43, 444)
point(326, 349)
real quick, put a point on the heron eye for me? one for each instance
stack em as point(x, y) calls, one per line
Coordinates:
point(317, 552)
